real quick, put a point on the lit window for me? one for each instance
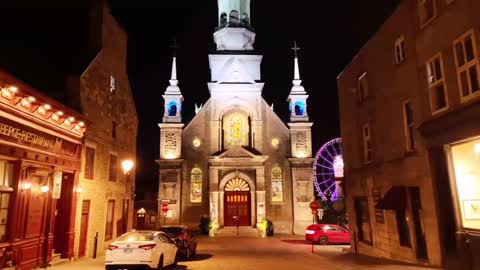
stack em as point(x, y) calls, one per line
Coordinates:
point(436, 84)
point(6, 179)
point(467, 65)
point(367, 143)
point(277, 185)
point(236, 131)
point(400, 50)
point(172, 108)
point(426, 11)
point(89, 162)
point(362, 87)
point(299, 108)
point(196, 185)
point(112, 84)
point(409, 125)
point(109, 220)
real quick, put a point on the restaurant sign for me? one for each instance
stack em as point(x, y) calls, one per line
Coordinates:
point(21, 134)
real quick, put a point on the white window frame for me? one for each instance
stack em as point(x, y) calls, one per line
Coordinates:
point(362, 87)
point(433, 82)
point(408, 127)
point(421, 5)
point(400, 55)
point(467, 65)
point(366, 141)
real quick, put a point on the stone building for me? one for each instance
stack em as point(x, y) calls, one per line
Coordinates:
point(236, 161)
point(103, 94)
point(410, 136)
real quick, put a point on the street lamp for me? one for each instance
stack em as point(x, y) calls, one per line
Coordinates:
point(127, 166)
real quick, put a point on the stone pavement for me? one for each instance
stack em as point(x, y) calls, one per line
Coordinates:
point(264, 253)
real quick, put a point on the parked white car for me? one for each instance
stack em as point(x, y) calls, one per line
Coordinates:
point(134, 249)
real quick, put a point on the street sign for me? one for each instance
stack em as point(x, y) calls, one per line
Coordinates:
point(314, 205)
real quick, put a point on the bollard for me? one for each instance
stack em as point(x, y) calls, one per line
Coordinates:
point(95, 243)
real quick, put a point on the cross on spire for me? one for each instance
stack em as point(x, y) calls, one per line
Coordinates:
point(295, 48)
point(174, 46)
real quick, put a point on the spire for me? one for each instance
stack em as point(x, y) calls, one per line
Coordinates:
point(174, 63)
point(298, 96)
point(173, 97)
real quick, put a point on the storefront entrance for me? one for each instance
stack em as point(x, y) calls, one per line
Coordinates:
point(237, 203)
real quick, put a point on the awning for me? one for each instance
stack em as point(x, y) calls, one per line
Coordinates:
point(394, 199)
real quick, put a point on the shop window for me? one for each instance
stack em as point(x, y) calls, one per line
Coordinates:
point(277, 185)
point(367, 143)
point(6, 179)
point(465, 159)
point(196, 185)
point(400, 50)
point(409, 125)
point(402, 228)
point(426, 11)
point(362, 87)
point(363, 220)
point(436, 84)
point(109, 221)
point(467, 65)
point(89, 162)
point(113, 168)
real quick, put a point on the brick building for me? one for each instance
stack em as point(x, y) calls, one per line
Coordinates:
point(408, 124)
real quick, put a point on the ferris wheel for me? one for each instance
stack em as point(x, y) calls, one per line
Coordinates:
point(327, 168)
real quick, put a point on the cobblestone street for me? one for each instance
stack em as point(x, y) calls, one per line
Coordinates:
point(263, 253)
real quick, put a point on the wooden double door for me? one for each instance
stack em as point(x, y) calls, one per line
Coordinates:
point(237, 208)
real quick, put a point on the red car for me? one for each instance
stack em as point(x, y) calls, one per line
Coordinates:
point(327, 233)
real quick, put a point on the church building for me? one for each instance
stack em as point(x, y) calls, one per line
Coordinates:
point(236, 161)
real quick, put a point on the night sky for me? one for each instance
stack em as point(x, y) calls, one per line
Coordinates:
point(330, 33)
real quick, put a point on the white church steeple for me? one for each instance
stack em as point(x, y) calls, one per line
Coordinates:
point(234, 32)
point(298, 96)
point(173, 97)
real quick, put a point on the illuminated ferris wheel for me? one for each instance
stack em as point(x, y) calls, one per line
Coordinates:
point(328, 169)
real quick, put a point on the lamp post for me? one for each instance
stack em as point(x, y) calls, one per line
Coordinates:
point(127, 166)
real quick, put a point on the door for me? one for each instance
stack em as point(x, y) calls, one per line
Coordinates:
point(237, 208)
point(84, 228)
point(416, 202)
point(63, 235)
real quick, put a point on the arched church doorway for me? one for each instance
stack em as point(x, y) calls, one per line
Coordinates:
point(237, 203)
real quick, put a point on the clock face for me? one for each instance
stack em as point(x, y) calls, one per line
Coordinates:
point(196, 142)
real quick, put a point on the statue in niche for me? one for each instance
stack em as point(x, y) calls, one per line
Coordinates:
point(223, 19)
point(245, 20)
point(234, 18)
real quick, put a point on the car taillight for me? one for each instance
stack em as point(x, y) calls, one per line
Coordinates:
point(309, 231)
point(112, 247)
point(148, 247)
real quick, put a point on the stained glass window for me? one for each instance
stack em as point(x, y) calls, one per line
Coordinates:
point(236, 131)
point(196, 185)
point(277, 185)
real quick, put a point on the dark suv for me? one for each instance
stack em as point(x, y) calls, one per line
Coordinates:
point(183, 238)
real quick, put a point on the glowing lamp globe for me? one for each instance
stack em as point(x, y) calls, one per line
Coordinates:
point(127, 166)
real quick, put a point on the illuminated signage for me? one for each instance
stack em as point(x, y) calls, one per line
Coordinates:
point(338, 166)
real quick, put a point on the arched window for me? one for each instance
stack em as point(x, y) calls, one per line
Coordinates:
point(172, 108)
point(196, 185)
point(277, 185)
point(299, 108)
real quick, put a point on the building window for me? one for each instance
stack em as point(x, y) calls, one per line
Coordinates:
point(89, 162)
point(114, 129)
point(299, 108)
point(403, 230)
point(467, 65)
point(463, 161)
point(362, 87)
point(409, 125)
point(172, 108)
point(277, 185)
point(113, 168)
point(367, 143)
point(6, 181)
point(436, 84)
point(112, 84)
point(400, 50)
point(363, 220)
point(426, 11)
point(109, 221)
point(196, 185)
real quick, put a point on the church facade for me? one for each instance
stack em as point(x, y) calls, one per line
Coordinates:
point(236, 161)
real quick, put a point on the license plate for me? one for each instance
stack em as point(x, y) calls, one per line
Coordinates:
point(127, 250)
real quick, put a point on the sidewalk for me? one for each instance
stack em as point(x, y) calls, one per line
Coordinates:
point(82, 264)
